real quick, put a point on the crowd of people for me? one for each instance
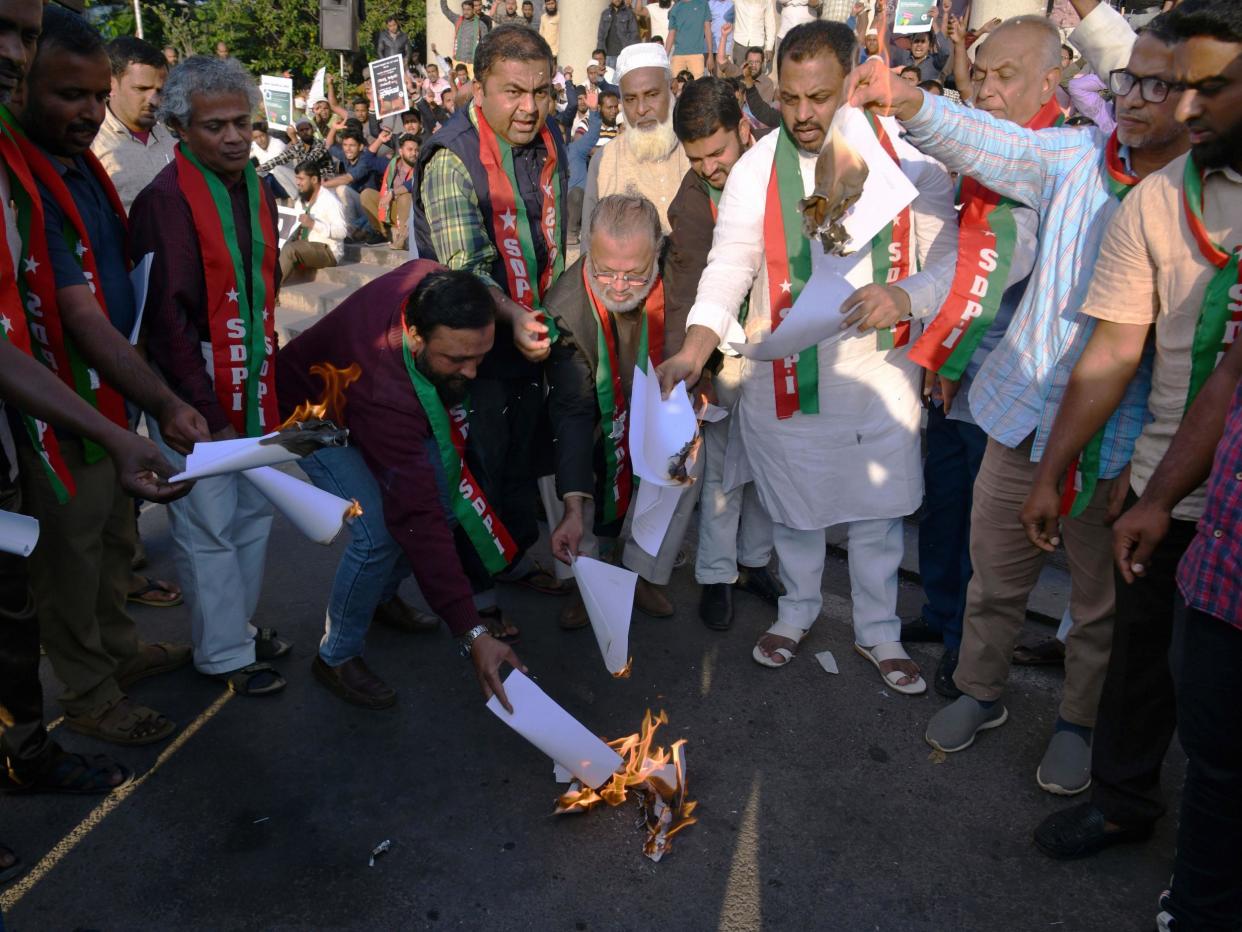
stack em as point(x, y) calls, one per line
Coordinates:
point(1053, 314)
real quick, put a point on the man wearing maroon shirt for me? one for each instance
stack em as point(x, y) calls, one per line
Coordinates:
point(418, 334)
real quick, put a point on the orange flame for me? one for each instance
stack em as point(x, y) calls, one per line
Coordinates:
point(353, 511)
point(331, 404)
point(657, 775)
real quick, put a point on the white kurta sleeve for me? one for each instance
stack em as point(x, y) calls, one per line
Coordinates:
point(737, 249)
point(935, 235)
point(1105, 39)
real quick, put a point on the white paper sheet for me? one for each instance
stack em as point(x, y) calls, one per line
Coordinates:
point(139, 279)
point(827, 661)
point(608, 592)
point(659, 428)
point(561, 774)
point(711, 414)
point(217, 457)
point(18, 533)
point(318, 514)
point(317, 89)
point(887, 189)
point(538, 719)
point(653, 513)
point(815, 317)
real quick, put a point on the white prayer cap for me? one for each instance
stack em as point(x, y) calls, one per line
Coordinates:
point(642, 55)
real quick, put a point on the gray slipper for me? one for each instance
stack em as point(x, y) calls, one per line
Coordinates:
point(1066, 767)
point(954, 727)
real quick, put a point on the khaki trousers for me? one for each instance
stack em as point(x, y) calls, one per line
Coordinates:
point(300, 253)
point(399, 216)
point(691, 63)
point(1006, 569)
point(370, 204)
point(79, 573)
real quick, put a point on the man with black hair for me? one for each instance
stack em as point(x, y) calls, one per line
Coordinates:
point(392, 40)
point(358, 186)
point(469, 28)
point(844, 415)
point(319, 240)
point(131, 146)
point(397, 190)
point(420, 334)
point(735, 533)
point(493, 192)
point(77, 277)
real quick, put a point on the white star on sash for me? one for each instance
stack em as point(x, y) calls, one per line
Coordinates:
point(80, 249)
point(510, 219)
point(32, 265)
point(787, 287)
point(231, 294)
point(547, 189)
point(6, 324)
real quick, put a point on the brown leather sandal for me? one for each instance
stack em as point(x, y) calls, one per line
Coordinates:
point(126, 722)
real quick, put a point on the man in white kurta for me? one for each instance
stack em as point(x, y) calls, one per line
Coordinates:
point(857, 461)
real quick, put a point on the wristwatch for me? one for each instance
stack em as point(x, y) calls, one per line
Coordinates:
point(468, 639)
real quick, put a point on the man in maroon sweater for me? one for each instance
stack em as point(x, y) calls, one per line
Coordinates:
point(418, 334)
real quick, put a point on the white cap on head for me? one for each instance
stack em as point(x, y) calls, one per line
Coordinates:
point(642, 55)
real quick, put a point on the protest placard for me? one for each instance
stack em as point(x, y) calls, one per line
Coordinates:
point(389, 95)
point(913, 16)
point(287, 224)
point(277, 100)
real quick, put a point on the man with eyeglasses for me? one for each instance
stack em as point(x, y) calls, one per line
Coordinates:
point(1164, 270)
point(609, 308)
point(1074, 180)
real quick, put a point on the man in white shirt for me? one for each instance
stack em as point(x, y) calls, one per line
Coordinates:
point(829, 435)
point(132, 148)
point(319, 240)
point(754, 26)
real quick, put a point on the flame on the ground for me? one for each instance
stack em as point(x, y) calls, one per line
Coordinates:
point(656, 775)
point(332, 402)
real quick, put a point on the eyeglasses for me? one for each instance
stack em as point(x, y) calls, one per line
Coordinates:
point(606, 278)
point(1152, 89)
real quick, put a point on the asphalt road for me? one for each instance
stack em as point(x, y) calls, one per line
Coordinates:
point(820, 806)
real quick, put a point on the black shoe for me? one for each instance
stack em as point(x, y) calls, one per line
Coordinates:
point(945, 669)
point(759, 581)
point(1080, 832)
point(920, 632)
point(716, 606)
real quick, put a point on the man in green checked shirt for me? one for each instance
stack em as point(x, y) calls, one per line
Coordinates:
point(494, 182)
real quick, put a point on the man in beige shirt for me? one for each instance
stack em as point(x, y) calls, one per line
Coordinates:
point(550, 27)
point(132, 148)
point(1163, 265)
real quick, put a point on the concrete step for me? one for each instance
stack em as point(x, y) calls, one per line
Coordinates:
point(352, 275)
point(314, 297)
point(375, 255)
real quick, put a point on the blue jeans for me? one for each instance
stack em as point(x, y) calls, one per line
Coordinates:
point(954, 454)
point(373, 564)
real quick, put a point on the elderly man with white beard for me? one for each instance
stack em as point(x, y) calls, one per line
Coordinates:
point(609, 309)
point(646, 159)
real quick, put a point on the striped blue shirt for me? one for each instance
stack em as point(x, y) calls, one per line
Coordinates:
point(1061, 174)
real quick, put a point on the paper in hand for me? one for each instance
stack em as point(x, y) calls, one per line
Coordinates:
point(139, 279)
point(18, 533)
point(887, 189)
point(816, 316)
point(318, 514)
point(217, 457)
point(608, 593)
point(653, 513)
point(538, 719)
point(661, 429)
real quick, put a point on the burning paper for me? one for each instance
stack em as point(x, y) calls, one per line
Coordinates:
point(656, 775)
point(840, 174)
point(663, 432)
point(318, 514)
point(547, 726)
point(608, 593)
point(18, 533)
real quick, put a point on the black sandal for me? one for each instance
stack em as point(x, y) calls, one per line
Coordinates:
point(269, 646)
point(248, 681)
point(75, 774)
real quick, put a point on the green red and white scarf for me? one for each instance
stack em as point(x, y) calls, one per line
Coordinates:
point(449, 426)
point(242, 319)
point(1083, 474)
point(36, 331)
point(986, 238)
point(610, 394)
point(41, 284)
point(892, 250)
point(389, 183)
point(510, 225)
point(787, 256)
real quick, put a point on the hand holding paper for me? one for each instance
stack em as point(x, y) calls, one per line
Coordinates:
point(816, 316)
point(662, 430)
point(608, 593)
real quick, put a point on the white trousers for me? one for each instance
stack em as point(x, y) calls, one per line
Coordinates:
point(875, 551)
point(220, 531)
point(733, 527)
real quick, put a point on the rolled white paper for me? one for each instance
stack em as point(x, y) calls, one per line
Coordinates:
point(316, 513)
point(608, 593)
point(218, 457)
point(18, 533)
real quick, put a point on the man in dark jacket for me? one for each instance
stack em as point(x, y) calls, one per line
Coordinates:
point(392, 41)
point(618, 27)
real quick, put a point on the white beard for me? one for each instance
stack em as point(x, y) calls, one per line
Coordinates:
point(630, 304)
point(654, 144)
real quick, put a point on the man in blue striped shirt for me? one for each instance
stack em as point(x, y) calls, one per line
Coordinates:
point(1074, 180)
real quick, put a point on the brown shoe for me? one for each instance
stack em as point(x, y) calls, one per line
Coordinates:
point(651, 600)
point(354, 682)
point(401, 615)
point(152, 660)
point(574, 615)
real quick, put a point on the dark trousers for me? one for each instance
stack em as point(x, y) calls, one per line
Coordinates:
point(1138, 711)
point(1207, 872)
point(954, 453)
point(24, 744)
point(574, 220)
point(504, 420)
